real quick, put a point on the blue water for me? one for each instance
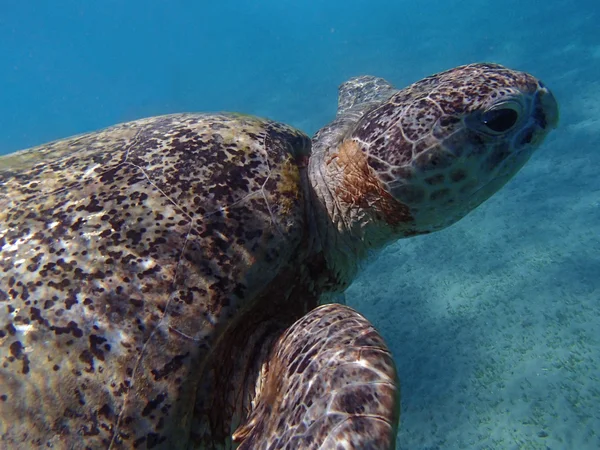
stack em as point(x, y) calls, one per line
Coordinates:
point(495, 322)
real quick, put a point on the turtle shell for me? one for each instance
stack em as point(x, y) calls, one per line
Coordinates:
point(124, 253)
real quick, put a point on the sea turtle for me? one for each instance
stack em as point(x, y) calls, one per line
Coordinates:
point(161, 279)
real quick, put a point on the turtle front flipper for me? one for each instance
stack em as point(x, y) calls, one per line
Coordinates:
point(330, 383)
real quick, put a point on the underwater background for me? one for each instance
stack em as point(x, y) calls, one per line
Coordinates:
point(495, 321)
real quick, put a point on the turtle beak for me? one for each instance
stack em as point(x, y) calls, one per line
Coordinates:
point(546, 111)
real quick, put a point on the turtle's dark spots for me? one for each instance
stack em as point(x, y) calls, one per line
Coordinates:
point(92, 430)
point(458, 175)
point(108, 177)
point(93, 206)
point(123, 389)
point(172, 366)
point(526, 138)
point(435, 179)
point(95, 342)
point(154, 439)
point(106, 412)
point(76, 226)
point(35, 263)
point(409, 194)
point(134, 236)
point(16, 349)
point(36, 315)
point(70, 328)
point(440, 194)
point(138, 303)
point(378, 165)
point(433, 160)
point(87, 358)
point(99, 275)
point(149, 272)
point(446, 121)
point(71, 298)
point(353, 402)
point(153, 404)
point(306, 360)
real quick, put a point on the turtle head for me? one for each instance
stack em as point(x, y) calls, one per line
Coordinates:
point(429, 154)
point(399, 163)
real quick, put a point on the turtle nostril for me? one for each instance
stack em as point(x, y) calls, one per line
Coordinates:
point(527, 138)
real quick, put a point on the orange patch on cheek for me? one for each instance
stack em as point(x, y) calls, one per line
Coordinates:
point(361, 187)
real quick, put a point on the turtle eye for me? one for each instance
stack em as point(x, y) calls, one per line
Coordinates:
point(500, 119)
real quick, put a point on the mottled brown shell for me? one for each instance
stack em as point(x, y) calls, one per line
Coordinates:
point(123, 254)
